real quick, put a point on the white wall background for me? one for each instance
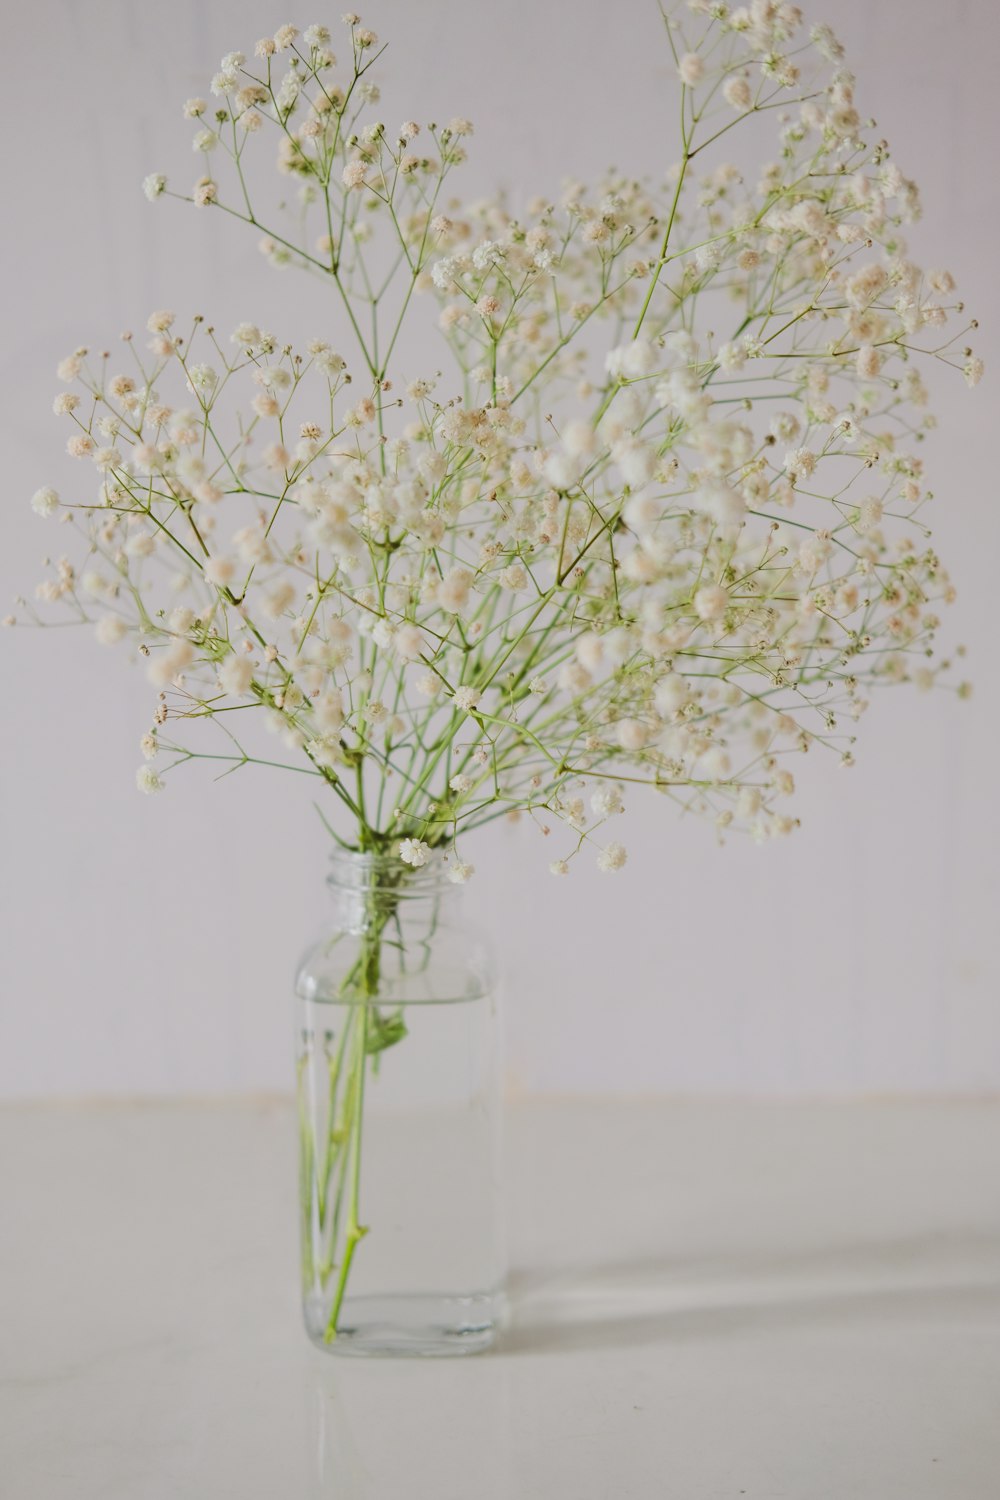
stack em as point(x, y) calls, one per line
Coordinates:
point(148, 943)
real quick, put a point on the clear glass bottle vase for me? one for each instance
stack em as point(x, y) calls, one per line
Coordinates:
point(398, 1069)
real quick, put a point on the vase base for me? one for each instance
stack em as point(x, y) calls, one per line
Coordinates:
point(421, 1325)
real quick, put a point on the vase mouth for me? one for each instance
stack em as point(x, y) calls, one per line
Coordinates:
point(357, 870)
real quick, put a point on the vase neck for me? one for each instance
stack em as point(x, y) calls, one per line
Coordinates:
point(353, 871)
point(367, 888)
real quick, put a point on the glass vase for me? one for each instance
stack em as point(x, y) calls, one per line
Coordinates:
point(398, 1071)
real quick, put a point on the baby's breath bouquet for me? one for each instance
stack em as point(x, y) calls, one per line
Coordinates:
point(658, 522)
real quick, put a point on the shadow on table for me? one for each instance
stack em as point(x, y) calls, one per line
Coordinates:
point(651, 1300)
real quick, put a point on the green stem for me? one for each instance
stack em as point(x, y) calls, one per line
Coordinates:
point(355, 1230)
point(332, 1146)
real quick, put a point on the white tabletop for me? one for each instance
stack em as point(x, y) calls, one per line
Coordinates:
point(783, 1302)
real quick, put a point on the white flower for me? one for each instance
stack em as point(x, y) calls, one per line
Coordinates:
point(219, 570)
point(236, 674)
point(44, 502)
point(715, 763)
point(443, 273)
point(453, 590)
point(562, 470)
point(973, 371)
point(799, 462)
point(154, 185)
point(870, 513)
point(109, 630)
point(869, 362)
point(635, 461)
point(205, 191)
point(737, 92)
point(559, 867)
point(460, 873)
point(147, 780)
point(202, 378)
point(513, 577)
point(631, 734)
point(724, 504)
point(414, 852)
point(168, 664)
point(670, 694)
point(731, 356)
point(247, 334)
point(711, 602)
point(612, 858)
point(606, 802)
point(590, 651)
point(466, 698)
point(579, 439)
point(826, 43)
point(631, 361)
point(409, 643)
point(748, 803)
point(691, 69)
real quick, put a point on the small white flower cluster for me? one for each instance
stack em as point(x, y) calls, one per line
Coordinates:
point(660, 525)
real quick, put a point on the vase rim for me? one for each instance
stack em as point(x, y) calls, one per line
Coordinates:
point(357, 869)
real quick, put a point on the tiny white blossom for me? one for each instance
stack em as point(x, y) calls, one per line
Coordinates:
point(737, 92)
point(466, 698)
point(109, 630)
point(612, 858)
point(44, 502)
point(632, 734)
point(247, 334)
point(973, 371)
point(869, 362)
point(691, 69)
point(236, 675)
point(414, 852)
point(409, 643)
point(607, 802)
point(711, 602)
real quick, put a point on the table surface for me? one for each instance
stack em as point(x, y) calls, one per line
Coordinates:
point(711, 1300)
